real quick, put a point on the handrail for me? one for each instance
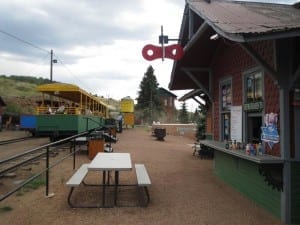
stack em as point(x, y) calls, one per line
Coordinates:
point(41, 147)
point(48, 167)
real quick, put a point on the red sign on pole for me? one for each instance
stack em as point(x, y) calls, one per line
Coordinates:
point(151, 52)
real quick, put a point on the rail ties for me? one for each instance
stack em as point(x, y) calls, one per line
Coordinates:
point(30, 157)
point(11, 141)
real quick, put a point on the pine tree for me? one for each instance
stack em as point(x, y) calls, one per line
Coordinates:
point(183, 114)
point(194, 116)
point(201, 122)
point(148, 103)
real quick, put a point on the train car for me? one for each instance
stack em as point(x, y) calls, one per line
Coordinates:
point(127, 109)
point(127, 105)
point(28, 123)
point(66, 110)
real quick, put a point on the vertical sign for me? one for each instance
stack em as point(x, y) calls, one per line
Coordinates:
point(236, 123)
point(269, 131)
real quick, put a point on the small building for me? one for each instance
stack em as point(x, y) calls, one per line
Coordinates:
point(243, 60)
point(167, 99)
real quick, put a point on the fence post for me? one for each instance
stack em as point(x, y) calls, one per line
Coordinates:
point(47, 170)
point(74, 145)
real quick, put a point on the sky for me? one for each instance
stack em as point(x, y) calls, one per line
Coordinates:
point(98, 44)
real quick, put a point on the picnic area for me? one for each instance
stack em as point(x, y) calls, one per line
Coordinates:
point(183, 190)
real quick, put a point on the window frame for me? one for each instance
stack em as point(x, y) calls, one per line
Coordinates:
point(253, 112)
point(224, 110)
point(251, 73)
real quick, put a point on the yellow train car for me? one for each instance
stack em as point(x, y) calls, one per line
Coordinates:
point(66, 110)
point(127, 105)
point(127, 110)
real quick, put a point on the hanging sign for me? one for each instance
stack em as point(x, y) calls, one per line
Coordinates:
point(151, 52)
point(269, 131)
point(254, 106)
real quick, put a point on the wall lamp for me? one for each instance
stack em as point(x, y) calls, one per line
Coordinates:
point(214, 37)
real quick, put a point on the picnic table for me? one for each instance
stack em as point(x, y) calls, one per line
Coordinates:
point(107, 163)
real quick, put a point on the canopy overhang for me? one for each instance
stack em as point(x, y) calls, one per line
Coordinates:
point(206, 24)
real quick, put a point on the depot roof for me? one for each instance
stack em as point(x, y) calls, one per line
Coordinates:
point(236, 22)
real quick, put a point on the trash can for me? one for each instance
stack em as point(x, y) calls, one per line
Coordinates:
point(113, 131)
point(95, 144)
point(160, 133)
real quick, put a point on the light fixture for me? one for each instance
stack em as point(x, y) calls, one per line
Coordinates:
point(214, 37)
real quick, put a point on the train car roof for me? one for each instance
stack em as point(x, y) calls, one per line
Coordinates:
point(68, 91)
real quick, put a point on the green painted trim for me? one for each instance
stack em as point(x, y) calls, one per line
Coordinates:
point(244, 176)
point(295, 193)
point(76, 123)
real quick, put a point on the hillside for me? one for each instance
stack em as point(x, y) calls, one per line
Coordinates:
point(19, 93)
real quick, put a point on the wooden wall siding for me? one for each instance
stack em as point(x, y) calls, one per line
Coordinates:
point(209, 120)
point(231, 62)
point(271, 96)
point(295, 195)
point(244, 176)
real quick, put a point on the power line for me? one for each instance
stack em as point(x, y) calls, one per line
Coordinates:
point(22, 40)
point(42, 60)
point(39, 48)
point(82, 83)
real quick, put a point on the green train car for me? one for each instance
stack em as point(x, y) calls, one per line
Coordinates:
point(66, 110)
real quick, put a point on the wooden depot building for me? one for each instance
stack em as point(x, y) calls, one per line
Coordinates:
point(243, 60)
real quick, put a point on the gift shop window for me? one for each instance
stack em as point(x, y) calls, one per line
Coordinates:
point(226, 100)
point(254, 105)
point(254, 87)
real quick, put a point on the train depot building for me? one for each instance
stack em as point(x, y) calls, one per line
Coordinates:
point(243, 60)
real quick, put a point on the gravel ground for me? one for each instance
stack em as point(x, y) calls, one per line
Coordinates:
point(184, 191)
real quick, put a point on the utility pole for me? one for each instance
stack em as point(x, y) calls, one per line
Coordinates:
point(151, 106)
point(51, 64)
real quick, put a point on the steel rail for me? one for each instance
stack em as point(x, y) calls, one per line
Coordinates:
point(70, 140)
point(11, 141)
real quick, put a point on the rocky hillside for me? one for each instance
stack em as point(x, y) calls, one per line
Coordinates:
point(19, 93)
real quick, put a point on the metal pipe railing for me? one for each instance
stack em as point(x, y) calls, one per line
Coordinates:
point(47, 150)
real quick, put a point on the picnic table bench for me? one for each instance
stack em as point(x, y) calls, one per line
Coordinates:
point(143, 180)
point(76, 179)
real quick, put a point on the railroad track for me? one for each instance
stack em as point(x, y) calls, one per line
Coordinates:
point(11, 141)
point(19, 167)
point(19, 161)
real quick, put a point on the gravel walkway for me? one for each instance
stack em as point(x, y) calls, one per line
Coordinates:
point(184, 191)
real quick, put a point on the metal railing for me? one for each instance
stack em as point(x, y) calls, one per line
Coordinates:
point(45, 149)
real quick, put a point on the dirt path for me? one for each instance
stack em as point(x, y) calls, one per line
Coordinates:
point(184, 191)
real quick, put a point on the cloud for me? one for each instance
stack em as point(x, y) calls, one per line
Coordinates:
point(98, 44)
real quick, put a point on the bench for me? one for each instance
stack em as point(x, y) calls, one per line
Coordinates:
point(143, 180)
point(206, 152)
point(196, 148)
point(76, 179)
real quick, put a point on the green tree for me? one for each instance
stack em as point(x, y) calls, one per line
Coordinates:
point(201, 121)
point(183, 114)
point(148, 102)
point(195, 116)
